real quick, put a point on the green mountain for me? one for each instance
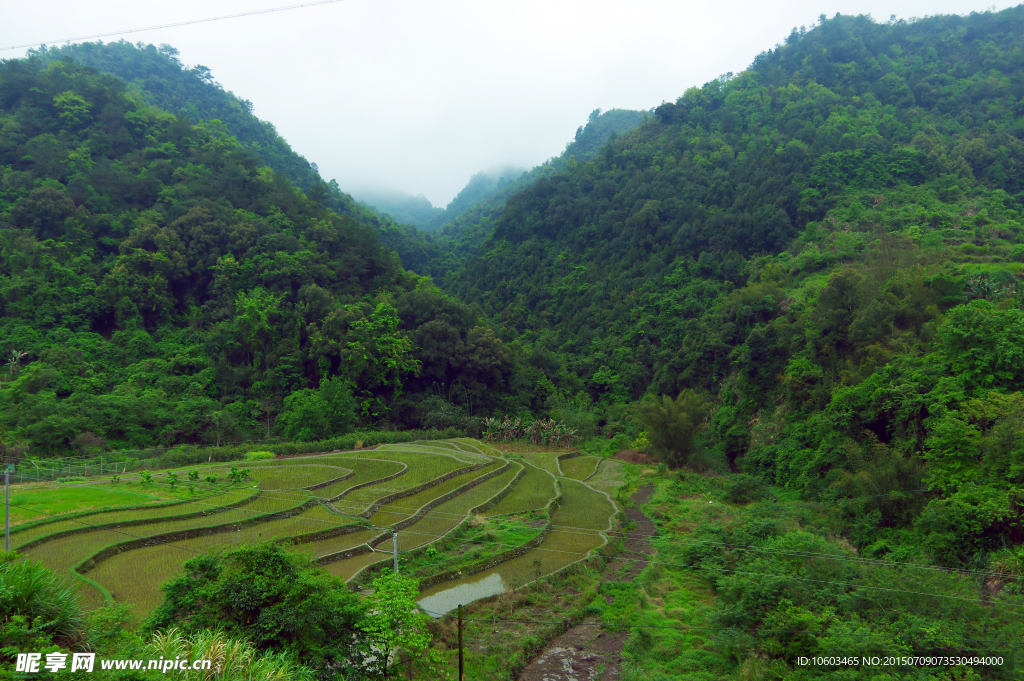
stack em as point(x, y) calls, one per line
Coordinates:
point(469, 219)
point(156, 75)
point(160, 284)
point(401, 207)
point(827, 246)
point(801, 280)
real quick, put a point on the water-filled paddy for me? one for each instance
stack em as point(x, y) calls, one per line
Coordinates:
point(533, 491)
point(579, 467)
point(577, 528)
point(448, 515)
point(405, 507)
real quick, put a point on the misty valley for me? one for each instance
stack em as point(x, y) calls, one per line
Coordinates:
point(728, 388)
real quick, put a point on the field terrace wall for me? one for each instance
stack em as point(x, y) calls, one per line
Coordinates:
point(31, 525)
point(434, 503)
point(131, 523)
point(353, 488)
point(87, 564)
point(326, 483)
point(505, 491)
point(375, 506)
point(499, 558)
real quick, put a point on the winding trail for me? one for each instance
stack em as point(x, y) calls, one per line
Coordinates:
point(583, 650)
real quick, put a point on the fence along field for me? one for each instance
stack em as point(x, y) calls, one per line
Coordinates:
point(338, 508)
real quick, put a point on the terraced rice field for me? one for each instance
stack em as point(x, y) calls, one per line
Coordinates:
point(426, 464)
point(366, 470)
point(547, 460)
point(608, 476)
point(405, 507)
point(33, 503)
point(64, 553)
point(358, 497)
point(577, 527)
point(533, 491)
point(297, 475)
point(205, 505)
point(580, 467)
point(442, 519)
point(135, 576)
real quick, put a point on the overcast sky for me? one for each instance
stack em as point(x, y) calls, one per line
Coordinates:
point(419, 95)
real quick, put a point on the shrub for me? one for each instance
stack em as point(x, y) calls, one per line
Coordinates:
point(258, 456)
point(743, 489)
point(37, 608)
point(279, 602)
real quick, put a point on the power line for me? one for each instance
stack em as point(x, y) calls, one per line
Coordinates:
point(175, 24)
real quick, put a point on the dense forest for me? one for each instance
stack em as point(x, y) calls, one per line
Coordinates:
point(160, 284)
point(805, 275)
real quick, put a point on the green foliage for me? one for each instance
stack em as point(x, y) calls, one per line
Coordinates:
point(37, 610)
point(393, 622)
point(41, 614)
point(258, 456)
point(672, 426)
point(161, 285)
point(319, 414)
point(743, 489)
point(237, 475)
point(237, 658)
point(969, 523)
point(278, 601)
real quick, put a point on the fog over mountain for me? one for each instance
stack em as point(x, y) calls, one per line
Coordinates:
point(420, 96)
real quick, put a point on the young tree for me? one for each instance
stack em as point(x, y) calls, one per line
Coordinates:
point(672, 425)
point(394, 622)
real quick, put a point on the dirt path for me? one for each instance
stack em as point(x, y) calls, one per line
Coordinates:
point(586, 652)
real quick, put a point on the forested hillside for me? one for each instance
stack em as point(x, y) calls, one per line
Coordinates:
point(469, 220)
point(784, 232)
point(156, 75)
point(798, 287)
point(159, 284)
point(827, 247)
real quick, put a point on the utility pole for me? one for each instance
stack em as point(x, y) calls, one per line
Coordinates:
point(394, 543)
point(462, 672)
point(7, 508)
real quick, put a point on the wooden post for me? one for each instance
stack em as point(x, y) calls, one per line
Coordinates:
point(462, 672)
